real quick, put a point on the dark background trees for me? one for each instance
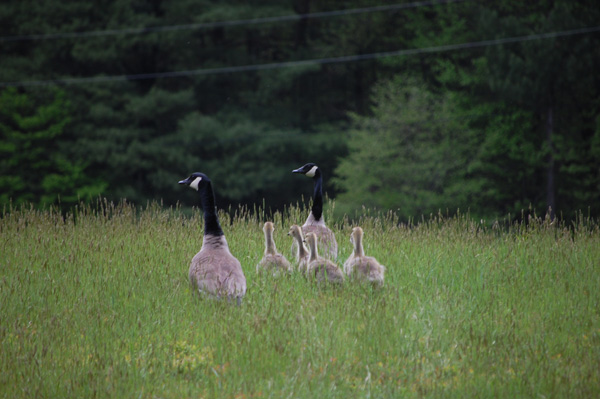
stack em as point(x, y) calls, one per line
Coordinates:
point(493, 128)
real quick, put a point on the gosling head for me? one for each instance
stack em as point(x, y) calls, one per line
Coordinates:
point(268, 227)
point(356, 234)
point(295, 231)
point(196, 181)
point(311, 240)
point(308, 170)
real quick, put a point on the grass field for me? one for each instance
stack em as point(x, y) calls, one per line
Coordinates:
point(99, 305)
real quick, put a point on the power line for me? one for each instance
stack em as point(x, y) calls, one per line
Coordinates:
point(208, 25)
point(288, 64)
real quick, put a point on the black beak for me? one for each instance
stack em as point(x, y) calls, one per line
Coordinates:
point(186, 181)
point(299, 170)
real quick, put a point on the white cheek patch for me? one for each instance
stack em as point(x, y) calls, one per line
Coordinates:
point(311, 173)
point(195, 183)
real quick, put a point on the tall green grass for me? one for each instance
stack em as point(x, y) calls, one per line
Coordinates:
point(98, 304)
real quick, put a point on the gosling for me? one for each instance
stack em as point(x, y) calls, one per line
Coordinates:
point(302, 254)
point(272, 261)
point(361, 267)
point(320, 268)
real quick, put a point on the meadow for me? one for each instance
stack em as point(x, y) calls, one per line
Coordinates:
point(97, 303)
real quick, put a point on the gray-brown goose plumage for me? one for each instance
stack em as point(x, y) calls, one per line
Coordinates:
point(272, 260)
point(361, 267)
point(214, 270)
point(315, 223)
point(320, 268)
point(302, 254)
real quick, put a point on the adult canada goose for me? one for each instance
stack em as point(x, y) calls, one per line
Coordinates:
point(315, 223)
point(272, 260)
point(320, 268)
point(214, 270)
point(302, 254)
point(362, 267)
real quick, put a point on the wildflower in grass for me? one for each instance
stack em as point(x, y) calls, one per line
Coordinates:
point(12, 341)
point(188, 357)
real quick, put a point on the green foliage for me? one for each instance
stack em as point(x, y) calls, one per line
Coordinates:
point(98, 304)
point(32, 167)
point(508, 162)
point(524, 127)
point(523, 114)
point(551, 80)
point(411, 156)
point(126, 141)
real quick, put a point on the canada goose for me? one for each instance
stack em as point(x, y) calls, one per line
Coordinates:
point(272, 260)
point(315, 223)
point(302, 254)
point(362, 267)
point(214, 270)
point(318, 267)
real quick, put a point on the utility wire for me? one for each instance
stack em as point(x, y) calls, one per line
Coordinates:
point(208, 25)
point(288, 64)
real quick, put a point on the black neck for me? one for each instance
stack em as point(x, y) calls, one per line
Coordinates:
point(211, 221)
point(317, 206)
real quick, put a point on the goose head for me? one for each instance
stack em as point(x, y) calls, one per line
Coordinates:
point(196, 181)
point(308, 170)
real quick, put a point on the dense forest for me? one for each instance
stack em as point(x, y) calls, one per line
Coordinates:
point(413, 107)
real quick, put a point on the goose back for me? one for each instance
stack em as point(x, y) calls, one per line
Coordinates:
point(325, 237)
point(214, 271)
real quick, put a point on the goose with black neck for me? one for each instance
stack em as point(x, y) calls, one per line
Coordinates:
point(315, 223)
point(214, 271)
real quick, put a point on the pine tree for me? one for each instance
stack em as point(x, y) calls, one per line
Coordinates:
point(410, 156)
point(32, 167)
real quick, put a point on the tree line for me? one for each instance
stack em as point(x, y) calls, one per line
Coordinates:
point(492, 107)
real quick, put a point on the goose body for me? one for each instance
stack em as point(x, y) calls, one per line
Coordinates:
point(361, 267)
point(320, 268)
point(302, 254)
point(214, 271)
point(272, 260)
point(315, 223)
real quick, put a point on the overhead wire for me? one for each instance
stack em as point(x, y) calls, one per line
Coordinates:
point(217, 24)
point(319, 61)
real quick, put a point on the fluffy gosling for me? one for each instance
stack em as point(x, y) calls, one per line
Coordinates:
point(361, 267)
point(320, 268)
point(272, 260)
point(302, 254)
